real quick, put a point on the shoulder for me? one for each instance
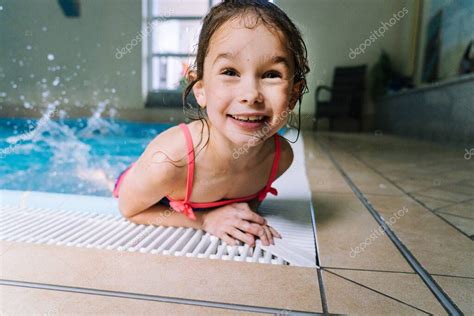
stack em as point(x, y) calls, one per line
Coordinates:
point(286, 156)
point(163, 159)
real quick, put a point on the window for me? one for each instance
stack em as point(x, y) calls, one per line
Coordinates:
point(173, 28)
point(172, 43)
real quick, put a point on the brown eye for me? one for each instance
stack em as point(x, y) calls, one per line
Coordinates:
point(229, 72)
point(272, 74)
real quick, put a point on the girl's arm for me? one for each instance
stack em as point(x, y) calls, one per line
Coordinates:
point(162, 215)
point(153, 177)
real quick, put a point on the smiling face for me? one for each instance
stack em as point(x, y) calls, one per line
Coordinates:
point(247, 86)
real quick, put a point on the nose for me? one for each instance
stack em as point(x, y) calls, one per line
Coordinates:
point(250, 92)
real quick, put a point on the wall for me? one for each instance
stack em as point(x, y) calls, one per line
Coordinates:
point(84, 64)
point(332, 27)
point(442, 112)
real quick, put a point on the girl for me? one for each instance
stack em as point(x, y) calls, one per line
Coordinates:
point(250, 71)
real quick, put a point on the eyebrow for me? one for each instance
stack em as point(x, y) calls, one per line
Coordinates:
point(275, 59)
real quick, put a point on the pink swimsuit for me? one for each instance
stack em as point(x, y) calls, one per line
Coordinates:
point(187, 206)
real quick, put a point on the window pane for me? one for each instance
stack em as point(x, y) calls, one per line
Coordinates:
point(175, 36)
point(168, 72)
point(169, 8)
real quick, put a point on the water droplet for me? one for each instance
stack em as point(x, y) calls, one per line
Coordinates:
point(44, 29)
point(14, 86)
point(3, 94)
point(22, 97)
point(43, 80)
point(1, 8)
point(29, 47)
point(50, 57)
point(113, 90)
point(56, 81)
point(78, 66)
point(20, 63)
point(133, 72)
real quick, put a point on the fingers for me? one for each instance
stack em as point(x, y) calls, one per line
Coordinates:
point(274, 232)
point(249, 227)
point(244, 237)
point(268, 235)
point(229, 240)
point(250, 215)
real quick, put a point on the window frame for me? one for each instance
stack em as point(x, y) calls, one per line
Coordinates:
point(151, 55)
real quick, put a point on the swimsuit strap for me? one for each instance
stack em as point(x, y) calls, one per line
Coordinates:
point(184, 206)
point(189, 143)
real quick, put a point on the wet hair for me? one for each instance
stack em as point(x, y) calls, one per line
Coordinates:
point(263, 12)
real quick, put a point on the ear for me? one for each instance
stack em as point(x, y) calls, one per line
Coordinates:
point(295, 93)
point(200, 93)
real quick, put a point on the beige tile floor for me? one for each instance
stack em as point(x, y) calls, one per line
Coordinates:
point(433, 187)
point(362, 270)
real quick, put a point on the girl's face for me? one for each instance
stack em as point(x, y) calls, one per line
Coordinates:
point(248, 75)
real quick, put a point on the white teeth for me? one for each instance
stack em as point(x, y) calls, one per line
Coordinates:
point(248, 118)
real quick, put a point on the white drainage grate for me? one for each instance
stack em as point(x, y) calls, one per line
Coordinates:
point(113, 232)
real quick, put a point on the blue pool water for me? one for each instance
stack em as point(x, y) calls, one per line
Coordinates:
point(81, 156)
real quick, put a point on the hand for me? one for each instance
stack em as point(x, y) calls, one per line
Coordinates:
point(237, 221)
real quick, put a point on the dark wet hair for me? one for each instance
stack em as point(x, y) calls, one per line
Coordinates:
point(265, 12)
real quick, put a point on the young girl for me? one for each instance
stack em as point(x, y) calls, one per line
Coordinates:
point(213, 173)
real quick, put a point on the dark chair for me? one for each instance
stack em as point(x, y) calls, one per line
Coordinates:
point(347, 94)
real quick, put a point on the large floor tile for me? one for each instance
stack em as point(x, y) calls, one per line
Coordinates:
point(404, 289)
point(465, 225)
point(190, 278)
point(460, 290)
point(378, 293)
point(464, 209)
point(327, 180)
point(442, 193)
point(349, 237)
point(34, 301)
point(439, 247)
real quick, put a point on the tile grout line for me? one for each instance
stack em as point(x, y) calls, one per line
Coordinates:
point(376, 291)
point(455, 215)
point(454, 204)
point(438, 292)
point(401, 272)
point(322, 291)
point(414, 197)
point(150, 297)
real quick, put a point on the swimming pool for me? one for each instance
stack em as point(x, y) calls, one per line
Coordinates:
point(77, 156)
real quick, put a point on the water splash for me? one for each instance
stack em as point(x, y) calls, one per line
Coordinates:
point(69, 152)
